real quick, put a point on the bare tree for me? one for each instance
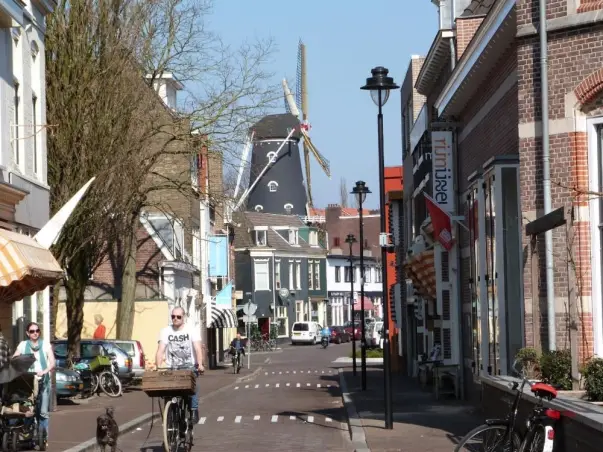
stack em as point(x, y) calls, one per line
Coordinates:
point(343, 192)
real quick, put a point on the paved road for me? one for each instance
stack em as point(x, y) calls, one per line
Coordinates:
point(293, 404)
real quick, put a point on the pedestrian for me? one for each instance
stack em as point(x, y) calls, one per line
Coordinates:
point(4, 351)
point(42, 367)
point(101, 331)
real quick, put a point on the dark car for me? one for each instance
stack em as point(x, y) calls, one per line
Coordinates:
point(339, 335)
point(353, 329)
point(70, 383)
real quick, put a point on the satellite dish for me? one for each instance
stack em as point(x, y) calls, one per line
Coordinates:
point(283, 292)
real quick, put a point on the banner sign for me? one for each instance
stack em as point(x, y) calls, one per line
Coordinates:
point(441, 161)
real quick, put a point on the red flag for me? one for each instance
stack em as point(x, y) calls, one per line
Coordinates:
point(441, 222)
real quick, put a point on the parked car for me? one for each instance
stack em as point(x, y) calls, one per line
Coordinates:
point(135, 351)
point(305, 332)
point(70, 383)
point(339, 335)
point(353, 329)
point(373, 334)
point(90, 349)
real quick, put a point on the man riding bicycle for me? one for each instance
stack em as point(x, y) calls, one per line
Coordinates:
point(237, 346)
point(326, 333)
point(180, 346)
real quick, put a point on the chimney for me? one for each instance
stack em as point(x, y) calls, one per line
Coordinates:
point(167, 87)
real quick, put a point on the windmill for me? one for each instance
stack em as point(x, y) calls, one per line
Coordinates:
point(293, 106)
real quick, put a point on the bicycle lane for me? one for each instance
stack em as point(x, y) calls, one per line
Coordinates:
point(73, 424)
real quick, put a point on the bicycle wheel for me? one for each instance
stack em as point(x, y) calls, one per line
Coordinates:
point(479, 437)
point(171, 426)
point(234, 363)
point(93, 384)
point(535, 440)
point(110, 384)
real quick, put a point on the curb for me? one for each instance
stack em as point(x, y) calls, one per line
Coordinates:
point(132, 425)
point(354, 421)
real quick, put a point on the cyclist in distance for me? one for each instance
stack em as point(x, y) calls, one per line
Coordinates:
point(180, 346)
point(238, 344)
point(326, 332)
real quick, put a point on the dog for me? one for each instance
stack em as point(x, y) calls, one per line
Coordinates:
point(107, 431)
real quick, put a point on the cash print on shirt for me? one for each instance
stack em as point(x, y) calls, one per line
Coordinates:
point(179, 346)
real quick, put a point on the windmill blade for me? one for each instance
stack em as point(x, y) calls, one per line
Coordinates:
point(287, 109)
point(289, 100)
point(321, 159)
point(301, 65)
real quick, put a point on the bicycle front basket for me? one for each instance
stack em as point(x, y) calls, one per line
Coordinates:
point(99, 362)
point(169, 383)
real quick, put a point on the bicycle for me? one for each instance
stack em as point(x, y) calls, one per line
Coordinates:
point(235, 356)
point(540, 433)
point(178, 419)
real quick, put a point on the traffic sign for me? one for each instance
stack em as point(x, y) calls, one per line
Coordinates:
point(250, 308)
point(250, 319)
point(283, 292)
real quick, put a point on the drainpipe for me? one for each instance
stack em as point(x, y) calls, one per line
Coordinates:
point(546, 177)
point(452, 54)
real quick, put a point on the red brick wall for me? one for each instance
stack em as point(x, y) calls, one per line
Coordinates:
point(527, 10)
point(590, 5)
point(465, 30)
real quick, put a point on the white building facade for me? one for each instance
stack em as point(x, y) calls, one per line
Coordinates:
point(343, 285)
point(24, 190)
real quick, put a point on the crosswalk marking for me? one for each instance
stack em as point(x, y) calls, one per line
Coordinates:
point(274, 418)
point(236, 387)
point(292, 418)
point(288, 384)
point(294, 371)
point(329, 419)
point(280, 373)
point(238, 420)
point(307, 384)
point(304, 418)
point(287, 371)
point(202, 420)
point(318, 385)
point(277, 385)
point(298, 385)
point(310, 419)
point(256, 417)
point(246, 386)
point(257, 386)
point(221, 418)
point(267, 384)
point(265, 373)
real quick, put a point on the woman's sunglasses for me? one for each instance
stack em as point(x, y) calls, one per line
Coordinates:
point(33, 331)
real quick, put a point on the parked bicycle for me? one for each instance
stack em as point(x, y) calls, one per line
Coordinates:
point(540, 430)
point(104, 375)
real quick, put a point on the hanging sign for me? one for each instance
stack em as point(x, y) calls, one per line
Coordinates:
point(441, 161)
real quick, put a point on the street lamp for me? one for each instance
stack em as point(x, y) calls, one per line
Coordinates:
point(360, 191)
point(379, 84)
point(350, 240)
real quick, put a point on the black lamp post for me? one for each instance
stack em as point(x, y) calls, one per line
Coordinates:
point(360, 191)
point(379, 84)
point(350, 240)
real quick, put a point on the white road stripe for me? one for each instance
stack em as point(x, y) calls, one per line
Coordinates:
point(323, 372)
point(278, 385)
point(287, 371)
point(272, 373)
point(287, 384)
point(294, 371)
point(280, 373)
point(315, 371)
point(267, 384)
point(221, 418)
point(328, 386)
point(202, 420)
point(298, 385)
point(257, 386)
point(307, 384)
point(329, 419)
point(238, 420)
point(274, 418)
point(292, 418)
point(246, 386)
point(301, 371)
point(318, 385)
point(310, 419)
point(236, 387)
point(265, 373)
point(256, 417)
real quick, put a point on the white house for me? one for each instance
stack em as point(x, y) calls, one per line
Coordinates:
point(24, 191)
point(341, 290)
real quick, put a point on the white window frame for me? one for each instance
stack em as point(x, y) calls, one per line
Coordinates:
point(316, 275)
point(298, 284)
point(277, 274)
point(258, 234)
point(367, 274)
point(294, 237)
point(291, 275)
point(272, 186)
point(337, 273)
point(592, 124)
point(313, 238)
point(310, 275)
point(257, 274)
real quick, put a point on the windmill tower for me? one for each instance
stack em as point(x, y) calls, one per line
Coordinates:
point(276, 183)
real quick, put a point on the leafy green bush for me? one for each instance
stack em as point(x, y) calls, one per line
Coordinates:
point(371, 353)
point(592, 373)
point(556, 368)
point(529, 360)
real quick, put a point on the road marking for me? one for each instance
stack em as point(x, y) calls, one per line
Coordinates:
point(315, 371)
point(288, 384)
point(310, 419)
point(278, 385)
point(236, 387)
point(287, 371)
point(246, 386)
point(272, 373)
point(307, 384)
point(202, 420)
point(280, 373)
point(267, 361)
point(256, 417)
point(257, 386)
point(265, 373)
point(238, 420)
point(267, 384)
point(221, 418)
point(318, 385)
point(292, 418)
point(301, 371)
point(323, 372)
point(298, 385)
point(329, 419)
point(294, 371)
point(274, 418)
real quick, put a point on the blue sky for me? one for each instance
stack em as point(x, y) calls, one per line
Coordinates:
point(344, 40)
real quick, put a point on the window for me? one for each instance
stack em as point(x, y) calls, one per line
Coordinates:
point(281, 320)
point(313, 238)
point(316, 275)
point(260, 238)
point(34, 50)
point(262, 275)
point(277, 274)
point(367, 274)
point(298, 275)
point(288, 208)
point(15, 125)
point(271, 156)
point(291, 275)
point(259, 208)
point(293, 237)
point(378, 274)
point(337, 273)
point(299, 315)
point(272, 186)
point(34, 132)
point(349, 274)
point(311, 275)
point(336, 242)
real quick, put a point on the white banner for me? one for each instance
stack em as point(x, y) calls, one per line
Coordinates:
point(441, 161)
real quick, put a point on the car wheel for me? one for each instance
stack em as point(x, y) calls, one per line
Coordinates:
point(339, 340)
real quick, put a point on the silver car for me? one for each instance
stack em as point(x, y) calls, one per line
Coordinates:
point(135, 351)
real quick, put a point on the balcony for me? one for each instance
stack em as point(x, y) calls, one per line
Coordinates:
point(11, 10)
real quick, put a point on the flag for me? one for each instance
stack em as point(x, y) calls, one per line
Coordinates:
point(441, 222)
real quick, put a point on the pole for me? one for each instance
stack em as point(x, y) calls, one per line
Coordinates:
point(363, 338)
point(387, 377)
point(353, 312)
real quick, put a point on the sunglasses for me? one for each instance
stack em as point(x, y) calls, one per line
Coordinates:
point(33, 331)
point(174, 317)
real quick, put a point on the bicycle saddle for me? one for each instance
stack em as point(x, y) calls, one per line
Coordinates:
point(544, 391)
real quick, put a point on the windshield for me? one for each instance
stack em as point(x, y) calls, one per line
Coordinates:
point(301, 327)
point(127, 347)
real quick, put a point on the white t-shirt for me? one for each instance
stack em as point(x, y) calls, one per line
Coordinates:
point(46, 349)
point(179, 345)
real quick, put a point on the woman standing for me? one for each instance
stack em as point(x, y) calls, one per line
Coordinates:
point(42, 367)
point(101, 330)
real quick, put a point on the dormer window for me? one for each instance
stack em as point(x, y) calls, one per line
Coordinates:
point(272, 185)
point(271, 156)
point(293, 237)
point(313, 238)
point(260, 238)
point(288, 208)
point(259, 208)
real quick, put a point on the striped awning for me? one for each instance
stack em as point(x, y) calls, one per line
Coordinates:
point(25, 266)
point(421, 270)
point(222, 317)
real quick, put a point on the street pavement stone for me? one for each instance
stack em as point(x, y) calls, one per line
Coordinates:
point(421, 423)
point(266, 417)
point(75, 422)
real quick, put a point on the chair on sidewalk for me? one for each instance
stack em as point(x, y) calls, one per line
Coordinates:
point(435, 371)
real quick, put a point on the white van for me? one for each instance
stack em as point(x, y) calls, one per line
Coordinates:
point(305, 332)
point(374, 334)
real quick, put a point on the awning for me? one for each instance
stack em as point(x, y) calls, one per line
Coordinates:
point(368, 304)
point(25, 266)
point(421, 270)
point(222, 317)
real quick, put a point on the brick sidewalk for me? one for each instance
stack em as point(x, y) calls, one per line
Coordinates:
point(75, 422)
point(420, 422)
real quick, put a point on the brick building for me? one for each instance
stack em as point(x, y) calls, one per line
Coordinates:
point(482, 121)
